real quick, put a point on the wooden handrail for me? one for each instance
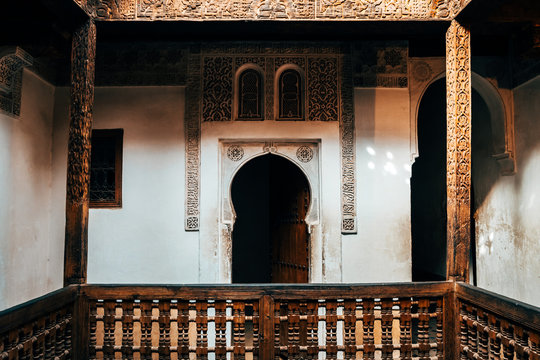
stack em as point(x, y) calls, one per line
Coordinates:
point(26, 312)
point(41, 328)
point(519, 312)
point(493, 326)
point(281, 291)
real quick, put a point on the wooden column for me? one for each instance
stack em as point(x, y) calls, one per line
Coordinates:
point(80, 130)
point(458, 161)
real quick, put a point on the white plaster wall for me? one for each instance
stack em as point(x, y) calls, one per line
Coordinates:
point(326, 251)
point(508, 223)
point(144, 241)
point(381, 251)
point(26, 255)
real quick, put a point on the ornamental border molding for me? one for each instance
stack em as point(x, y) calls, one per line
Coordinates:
point(195, 95)
point(192, 135)
point(12, 62)
point(281, 10)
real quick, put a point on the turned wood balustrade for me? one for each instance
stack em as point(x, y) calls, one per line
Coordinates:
point(407, 321)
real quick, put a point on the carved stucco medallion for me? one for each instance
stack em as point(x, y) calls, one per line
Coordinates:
point(304, 153)
point(421, 71)
point(235, 152)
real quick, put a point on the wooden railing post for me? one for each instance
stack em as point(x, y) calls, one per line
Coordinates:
point(266, 328)
point(81, 318)
point(451, 325)
point(78, 168)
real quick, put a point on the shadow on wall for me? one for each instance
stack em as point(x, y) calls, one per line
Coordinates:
point(428, 182)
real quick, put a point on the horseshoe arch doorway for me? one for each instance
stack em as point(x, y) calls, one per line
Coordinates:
point(270, 240)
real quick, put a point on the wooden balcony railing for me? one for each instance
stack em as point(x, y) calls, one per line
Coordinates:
point(41, 328)
point(386, 321)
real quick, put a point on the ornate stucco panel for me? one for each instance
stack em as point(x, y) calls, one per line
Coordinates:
point(328, 96)
point(12, 62)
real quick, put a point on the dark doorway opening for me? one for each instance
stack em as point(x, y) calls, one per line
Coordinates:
point(270, 239)
point(428, 188)
point(428, 182)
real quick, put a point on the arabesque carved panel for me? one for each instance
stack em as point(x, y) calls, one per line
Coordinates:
point(217, 88)
point(323, 91)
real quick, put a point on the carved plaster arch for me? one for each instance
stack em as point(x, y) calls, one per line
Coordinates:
point(424, 72)
point(278, 148)
point(234, 154)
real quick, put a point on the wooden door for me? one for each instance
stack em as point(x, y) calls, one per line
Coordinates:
point(289, 237)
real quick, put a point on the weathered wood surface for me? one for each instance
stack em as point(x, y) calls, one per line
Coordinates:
point(79, 146)
point(281, 291)
point(458, 151)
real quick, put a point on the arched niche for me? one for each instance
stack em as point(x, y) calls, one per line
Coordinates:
point(423, 72)
point(290, 70)
point(236, 153)
point(259, 73)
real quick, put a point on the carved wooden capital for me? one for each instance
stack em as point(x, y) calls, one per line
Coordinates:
point(12, 62)
point(458, 168)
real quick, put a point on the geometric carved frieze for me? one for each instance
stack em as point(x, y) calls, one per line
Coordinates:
point(273, 9)
point(12, 62)
point(458, 162)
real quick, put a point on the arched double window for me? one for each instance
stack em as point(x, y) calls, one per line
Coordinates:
point(250, 95)
point(290, 95)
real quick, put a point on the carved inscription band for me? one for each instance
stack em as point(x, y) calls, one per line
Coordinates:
point(193, 138)
point(273, 9)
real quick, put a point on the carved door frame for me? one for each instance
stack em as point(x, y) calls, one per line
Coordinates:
point(234, 154)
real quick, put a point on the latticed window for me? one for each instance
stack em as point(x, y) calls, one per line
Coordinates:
point(106, 168)
point(250, 99)
point(291, 106)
